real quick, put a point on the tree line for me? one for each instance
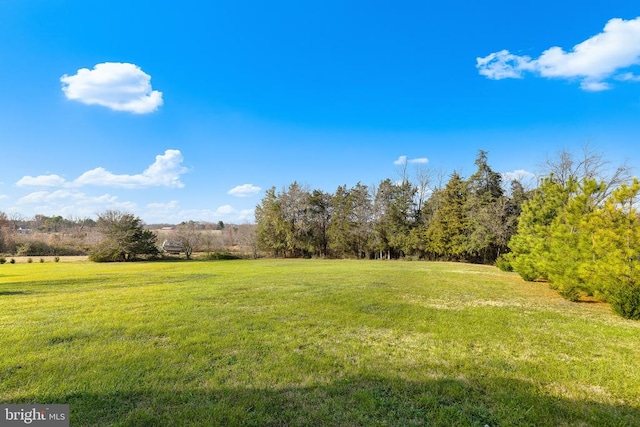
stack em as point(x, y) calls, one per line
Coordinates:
point(463, 220)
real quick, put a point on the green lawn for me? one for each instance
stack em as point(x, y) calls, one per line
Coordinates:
point(311, 342)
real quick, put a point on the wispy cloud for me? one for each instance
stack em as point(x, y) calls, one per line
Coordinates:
point(115, 85)
point(244, 190)
point(518, 175)
point(228, 211)
point(403, 160)
point(70, 202)
point(3, 196)
point(41, 181)
point(628, 77)
point(592, 61)
point(172, 205)
point(165, 171)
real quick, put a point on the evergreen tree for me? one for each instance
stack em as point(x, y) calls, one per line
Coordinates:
point(447, 232)
point(124, 238)
point(616, 247)
point(569, 247)
point(319, 215)
point(486, 213)
point(270, 224)
point(350, 226)
point(530, 245)
point(340, 227)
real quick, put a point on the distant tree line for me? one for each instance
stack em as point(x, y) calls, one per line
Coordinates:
point(119, 236)
point(64, 236)
point(463, 220)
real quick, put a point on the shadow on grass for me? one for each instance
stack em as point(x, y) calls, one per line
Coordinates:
point(355, 401)
point(3, 293)
point(71, 284)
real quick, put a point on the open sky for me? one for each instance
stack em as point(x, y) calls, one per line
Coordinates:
point(190, 110)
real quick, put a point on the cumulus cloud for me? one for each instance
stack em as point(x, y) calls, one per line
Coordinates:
point(165, 171)
point(225, 210)
point(41, 181)
point(592, 61)
point(403, 160)
point(116, 85)
point(3, 196)
point(244, 190)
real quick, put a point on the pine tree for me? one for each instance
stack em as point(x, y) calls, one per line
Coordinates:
point(570, 240)
point(530, 245)
point(616, 242)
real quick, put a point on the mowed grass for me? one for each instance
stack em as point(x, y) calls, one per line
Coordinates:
point(311, 342)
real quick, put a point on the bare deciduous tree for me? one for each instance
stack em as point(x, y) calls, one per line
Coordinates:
point(189, 236)
point(566, 166)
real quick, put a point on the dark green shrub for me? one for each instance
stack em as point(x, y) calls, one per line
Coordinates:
point(41, 259)
point(504, 262)
point(56, 259)
point(2, 260)
point(12, 261)
point(569, 292)
point(625, 301)
point(29, 260)
point(103, 253)
point(221, 256)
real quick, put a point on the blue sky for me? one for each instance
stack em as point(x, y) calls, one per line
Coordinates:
point(191, 110)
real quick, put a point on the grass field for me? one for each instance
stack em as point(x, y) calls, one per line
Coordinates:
point(295, 342)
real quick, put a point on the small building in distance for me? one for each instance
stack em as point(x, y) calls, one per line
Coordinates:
point(172, 247)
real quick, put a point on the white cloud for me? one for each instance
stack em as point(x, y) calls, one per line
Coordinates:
point(420, 160)
point(165, 171)
point(116, 85)
point(41, 181)
point(172, 205)
point(225, 210)
point(3, 196)
point(229, 213)
point(71, 203)
point(244, 190)
point(518, 175)
point(247, 215)
point(502, 65)
point(593, 61)
point(628, 77)
point(592, 86)
point(403, 160)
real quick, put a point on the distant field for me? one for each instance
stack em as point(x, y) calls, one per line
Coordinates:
point(311, 342)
